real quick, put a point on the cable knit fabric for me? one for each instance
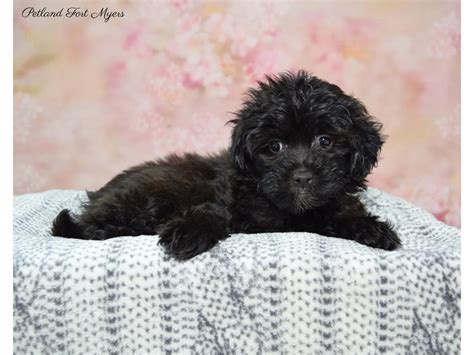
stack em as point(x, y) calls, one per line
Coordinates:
point(275, 293)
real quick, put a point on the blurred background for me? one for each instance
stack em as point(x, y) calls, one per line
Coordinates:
point(92, 98)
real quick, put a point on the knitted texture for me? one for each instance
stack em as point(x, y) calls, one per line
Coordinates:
point(275, 293)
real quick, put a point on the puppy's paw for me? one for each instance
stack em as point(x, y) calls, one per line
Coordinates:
point(378, 234)
point(198, 230)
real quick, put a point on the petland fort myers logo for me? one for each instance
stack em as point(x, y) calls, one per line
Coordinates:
point(72, 12)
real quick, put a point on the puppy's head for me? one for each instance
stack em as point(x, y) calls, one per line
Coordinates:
point(304, 141)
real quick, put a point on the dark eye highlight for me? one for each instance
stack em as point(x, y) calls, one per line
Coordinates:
point(324, 141)
point(275, 146)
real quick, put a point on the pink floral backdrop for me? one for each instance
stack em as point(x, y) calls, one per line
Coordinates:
point(93, 97)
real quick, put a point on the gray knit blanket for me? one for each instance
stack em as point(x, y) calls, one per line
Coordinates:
point(275, 293)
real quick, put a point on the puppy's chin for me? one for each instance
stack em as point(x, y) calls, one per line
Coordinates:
point(303, 201)
point(297, 203)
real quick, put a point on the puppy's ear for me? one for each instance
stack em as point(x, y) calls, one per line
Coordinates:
point(366, 142)
point(240, 146)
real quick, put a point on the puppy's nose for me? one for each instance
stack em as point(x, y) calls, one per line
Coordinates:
point(303, 178)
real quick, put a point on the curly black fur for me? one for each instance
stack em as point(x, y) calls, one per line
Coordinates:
point(300, 150)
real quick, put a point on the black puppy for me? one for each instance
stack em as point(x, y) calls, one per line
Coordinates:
point(300, 150)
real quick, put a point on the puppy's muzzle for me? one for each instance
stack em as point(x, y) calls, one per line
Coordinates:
point(302, 179)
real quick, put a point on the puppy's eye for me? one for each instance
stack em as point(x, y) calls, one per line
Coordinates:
point(275, 146)
point(325, 141)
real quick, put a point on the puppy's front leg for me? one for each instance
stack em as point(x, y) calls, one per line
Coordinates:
point(197, 230)
point(367, 230)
